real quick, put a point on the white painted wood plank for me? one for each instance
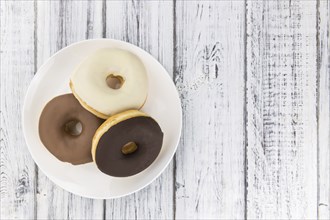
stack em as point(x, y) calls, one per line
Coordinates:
point(209, 70)
point(17, 170)
point(324, 110)
point(148, 24)
point(281, 110)
point(61, 23)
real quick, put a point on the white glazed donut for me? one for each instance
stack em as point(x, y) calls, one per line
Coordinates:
point(110, 81)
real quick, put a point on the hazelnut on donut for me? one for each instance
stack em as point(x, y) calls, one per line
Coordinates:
point(110, 81)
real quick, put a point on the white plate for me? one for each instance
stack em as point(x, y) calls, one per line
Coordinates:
point(52, 79)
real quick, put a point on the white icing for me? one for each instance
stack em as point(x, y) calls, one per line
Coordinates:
point(89, 81)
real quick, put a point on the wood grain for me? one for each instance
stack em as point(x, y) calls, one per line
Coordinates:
point(324, 110)
point(60, 23)
point(17, 170)
point(149, 25)
point(281, 122)
point(254, 80)
point(209, 73)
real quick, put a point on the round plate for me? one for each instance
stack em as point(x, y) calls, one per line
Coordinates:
point(52, 79)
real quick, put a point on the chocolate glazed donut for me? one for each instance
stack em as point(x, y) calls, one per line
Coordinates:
point(127, 143)
point(67, 129)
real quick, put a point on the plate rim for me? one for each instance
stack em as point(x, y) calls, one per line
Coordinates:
point(34, 80)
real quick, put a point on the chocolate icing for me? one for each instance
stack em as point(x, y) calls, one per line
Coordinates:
point(144, 131)
point(75, 149)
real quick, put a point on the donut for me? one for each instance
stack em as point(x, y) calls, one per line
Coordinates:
point(110, 81)
point(66, 129)
point(126, 143)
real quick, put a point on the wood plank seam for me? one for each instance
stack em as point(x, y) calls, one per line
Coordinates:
point(323, 109)
point(174, 80)
point(245, 117)
point(104, 20)
point(104, 34)
point(35, 36)
point(318, 102)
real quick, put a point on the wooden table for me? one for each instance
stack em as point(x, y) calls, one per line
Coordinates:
point(254, 80)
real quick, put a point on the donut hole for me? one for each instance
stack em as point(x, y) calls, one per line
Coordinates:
point(129, 148)
point(73, 127)
point(114, 81)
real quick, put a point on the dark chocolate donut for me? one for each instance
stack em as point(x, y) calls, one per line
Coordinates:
point(58, 133)
point(127, 143)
